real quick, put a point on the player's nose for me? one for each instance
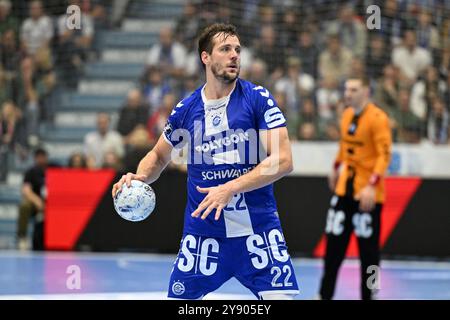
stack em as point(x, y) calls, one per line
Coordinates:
point(234, 55)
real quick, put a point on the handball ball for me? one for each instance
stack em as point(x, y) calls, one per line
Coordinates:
point(135, 203)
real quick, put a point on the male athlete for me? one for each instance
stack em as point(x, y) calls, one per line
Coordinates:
point(231, 224)
point(363, 157)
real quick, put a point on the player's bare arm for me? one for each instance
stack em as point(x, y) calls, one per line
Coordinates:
point(150, 167)
point(277, 164)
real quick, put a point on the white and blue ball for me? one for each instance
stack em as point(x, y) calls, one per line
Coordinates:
point(135, 203)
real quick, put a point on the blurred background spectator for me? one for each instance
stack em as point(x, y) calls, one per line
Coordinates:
point(98, 143)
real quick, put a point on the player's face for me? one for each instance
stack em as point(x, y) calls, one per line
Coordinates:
point(225, 58)
point(355, 93)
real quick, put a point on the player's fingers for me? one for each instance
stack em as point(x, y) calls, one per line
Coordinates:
point(200, 208)
point(203, 190)
point(118, 185)
point(218, 212)
point(208, 210)
point(128, 179)
point(114, 190)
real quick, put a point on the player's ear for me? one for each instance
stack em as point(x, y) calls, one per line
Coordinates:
point(205, 57)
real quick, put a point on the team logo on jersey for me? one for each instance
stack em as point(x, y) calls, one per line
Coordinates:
point(178, 288)
point(168, 129)
point(216, 121)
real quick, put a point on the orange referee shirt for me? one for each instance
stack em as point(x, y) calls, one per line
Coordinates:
point(364, 150)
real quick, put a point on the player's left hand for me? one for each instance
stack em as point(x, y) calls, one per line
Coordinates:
point(366, 198)
point(216, 198)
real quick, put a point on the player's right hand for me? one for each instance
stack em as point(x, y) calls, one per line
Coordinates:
point(126, 178)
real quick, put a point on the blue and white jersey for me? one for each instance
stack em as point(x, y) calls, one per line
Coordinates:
point(222, 138)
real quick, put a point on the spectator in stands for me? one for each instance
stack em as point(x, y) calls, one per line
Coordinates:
point(308, 122)
point(168, 54)
point(74, 46)
point(37, 30)
point(387, 88)
point(438, 122)
point(424, 92)
point(154, 87)
point(133, 114)
point(407, 127)
point(139, 146)
point(10, 122)
point(270, 52)
point(267, 16)
point(358, 68)
point(97, 10)
point(331, 131)
point(7, 20)
point(257, 74)
point(392, 24)
point(306, 49)
point(77, 160)
point(97, 143)
point(307, 131)
point(38, 84)
point(377, 57)
point(190, 84)
point(280, 98)
point(444, 30)
point(13, 127)
point(444, 61)
point(188, 25)
point(4, 92)
point(410, 58)
point(446, 93)
point(111, 160)
point(296, 85)
point(34, 194)
point(427, 34)
point(10, 56)
point(35, 85)
point(288, 30)
point(158, 120)
point(327, 97)
point(352, 32)
point(335, 61)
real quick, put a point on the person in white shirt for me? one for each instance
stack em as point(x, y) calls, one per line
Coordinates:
point(168, 54)
point(37, 30)
point(296, 85)
point(98, 143)
point(410, 58)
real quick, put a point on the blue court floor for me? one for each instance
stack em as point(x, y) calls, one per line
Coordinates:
point(146, 276)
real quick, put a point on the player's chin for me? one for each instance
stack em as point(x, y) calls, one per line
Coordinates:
point(230, 76)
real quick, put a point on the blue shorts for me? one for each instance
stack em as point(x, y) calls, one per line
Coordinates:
point(259, 261)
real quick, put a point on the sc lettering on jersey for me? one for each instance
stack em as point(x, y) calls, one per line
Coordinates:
point(265, 249)
point(197, 254)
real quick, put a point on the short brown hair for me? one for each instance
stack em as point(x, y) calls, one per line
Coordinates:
point(205, 41)
point(365, 81)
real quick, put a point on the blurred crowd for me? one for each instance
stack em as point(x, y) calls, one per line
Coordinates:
point(39, 53)
point(302, 51)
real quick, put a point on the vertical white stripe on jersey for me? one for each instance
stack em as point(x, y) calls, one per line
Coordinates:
point(237, 218)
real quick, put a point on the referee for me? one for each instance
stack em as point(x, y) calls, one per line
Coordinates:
point(358, 185)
